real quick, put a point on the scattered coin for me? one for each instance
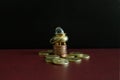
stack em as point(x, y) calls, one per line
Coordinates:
point(49, 51)
point(76, 54)
point(80, 55)
point(49, 58)
point(74, 59)
point(86, 56)
point(56, 59)
point(70, 56)
point(44, 53)
point(60, 61)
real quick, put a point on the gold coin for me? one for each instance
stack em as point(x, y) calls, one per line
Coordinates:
point(76, 54)
point(86, 56)
point(75, 59)
point(80, 55)
point(43, 53)
point(70, 56)
point(60, 61)
point(49, 58)
point(47, 52)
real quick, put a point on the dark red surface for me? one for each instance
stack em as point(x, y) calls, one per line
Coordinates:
point(27, 65)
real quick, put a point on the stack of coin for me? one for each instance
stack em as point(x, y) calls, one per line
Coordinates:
point(60, 50)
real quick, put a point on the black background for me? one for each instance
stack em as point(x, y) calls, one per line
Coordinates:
point(88, 23)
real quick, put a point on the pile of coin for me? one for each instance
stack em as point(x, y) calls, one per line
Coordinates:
point(71, 57)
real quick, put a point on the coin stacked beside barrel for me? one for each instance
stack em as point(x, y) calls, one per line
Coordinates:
point(71, 57)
